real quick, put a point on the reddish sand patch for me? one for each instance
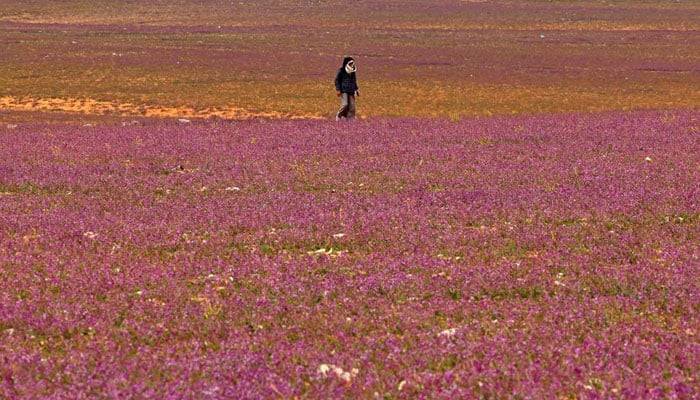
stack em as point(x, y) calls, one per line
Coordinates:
point(98, 107)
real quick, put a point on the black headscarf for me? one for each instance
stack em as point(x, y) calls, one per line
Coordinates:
point(347, 61)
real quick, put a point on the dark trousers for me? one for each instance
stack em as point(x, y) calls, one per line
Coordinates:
point(347, 106)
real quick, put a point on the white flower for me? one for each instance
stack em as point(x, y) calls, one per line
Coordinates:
point(343, 375)
point(90, 235)
point(323, 369)
point(346, 376)
point(331, 252)
point(647, 159)
point(448, 332)
point(338, 235)
point(212, 391)
point(322, 250)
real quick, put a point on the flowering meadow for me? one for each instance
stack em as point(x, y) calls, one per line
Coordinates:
point(550, 256)
point(278, 58)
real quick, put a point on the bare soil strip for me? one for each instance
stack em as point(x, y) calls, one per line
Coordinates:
point(99, 107)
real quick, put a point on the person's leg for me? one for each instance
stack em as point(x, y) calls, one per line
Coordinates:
point(344, 105)
point(351, 106)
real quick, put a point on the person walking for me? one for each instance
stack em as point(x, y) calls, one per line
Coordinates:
point(346, 88)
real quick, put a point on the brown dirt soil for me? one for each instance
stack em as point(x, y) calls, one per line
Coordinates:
point(96, 107)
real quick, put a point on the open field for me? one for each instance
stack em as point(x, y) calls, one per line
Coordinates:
point(524, 257)
point(515, 215)
point(277, 58)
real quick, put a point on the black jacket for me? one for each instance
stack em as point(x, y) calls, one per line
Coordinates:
point(344, 82)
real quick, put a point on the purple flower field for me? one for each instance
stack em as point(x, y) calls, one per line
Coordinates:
point(551, 256)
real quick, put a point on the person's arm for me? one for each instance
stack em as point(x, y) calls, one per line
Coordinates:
point(357, 88)
point(337, 81)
